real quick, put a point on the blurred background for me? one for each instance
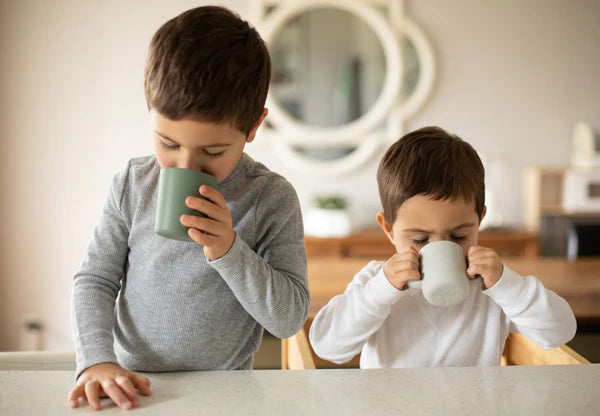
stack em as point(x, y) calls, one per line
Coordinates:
point(512, 78)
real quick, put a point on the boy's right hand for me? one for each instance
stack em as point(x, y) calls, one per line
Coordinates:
point(402, 267)
point(110, 380)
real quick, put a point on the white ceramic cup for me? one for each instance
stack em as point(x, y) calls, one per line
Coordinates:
point(444, 277)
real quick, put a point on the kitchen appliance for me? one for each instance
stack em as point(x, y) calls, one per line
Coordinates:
point(581, 190)
point(585, 146)
point(583, 239)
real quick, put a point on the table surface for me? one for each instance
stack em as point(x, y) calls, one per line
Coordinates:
point(576, 281)
point(541, 390)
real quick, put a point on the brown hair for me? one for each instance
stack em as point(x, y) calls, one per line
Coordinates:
point(208, 64)
point(431, 162)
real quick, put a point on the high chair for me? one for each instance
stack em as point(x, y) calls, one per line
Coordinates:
point(520, 350)
point(296, 353)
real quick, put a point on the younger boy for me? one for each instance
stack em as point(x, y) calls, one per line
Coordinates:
point(142, 302)
point(431, 186)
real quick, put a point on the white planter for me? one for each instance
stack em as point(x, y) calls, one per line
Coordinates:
point(320, 222)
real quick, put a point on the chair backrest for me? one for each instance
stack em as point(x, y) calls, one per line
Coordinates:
point(296, 353)
point(37, 360)
point(520, 350)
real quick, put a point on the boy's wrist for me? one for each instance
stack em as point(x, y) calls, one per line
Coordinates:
point(509, 289)
point(379, 290)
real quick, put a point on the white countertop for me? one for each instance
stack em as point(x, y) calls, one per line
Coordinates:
point(543, 390)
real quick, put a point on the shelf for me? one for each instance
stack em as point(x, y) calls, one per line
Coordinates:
point(372, 243)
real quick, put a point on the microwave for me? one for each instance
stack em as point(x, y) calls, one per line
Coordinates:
point(581, 190)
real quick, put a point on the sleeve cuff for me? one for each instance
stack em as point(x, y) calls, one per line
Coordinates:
point(380, 292)
point(509, 289)
point(231, 257)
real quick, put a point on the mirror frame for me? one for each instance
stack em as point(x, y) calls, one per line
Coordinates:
point(287, 131)
point(297, 131)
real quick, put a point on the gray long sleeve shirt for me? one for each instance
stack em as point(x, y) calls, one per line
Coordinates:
point(154, 304)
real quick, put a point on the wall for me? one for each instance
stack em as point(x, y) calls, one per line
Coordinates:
point(512, 78)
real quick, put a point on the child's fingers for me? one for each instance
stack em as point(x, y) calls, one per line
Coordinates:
point(92, 393)
point(473, 271)
point(127, 387)
point(203, 224)
point(412, 275)
point(485, 270)
point(212, 194)
point(201, 238)
point(113, 391)
point(77, 392)
point(208, 208)
point(476, 249)
point(405, 256)
point(141, 383)
point(402, 265)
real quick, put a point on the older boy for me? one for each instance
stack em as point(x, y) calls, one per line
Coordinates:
point(431, 186)
point(145, 303)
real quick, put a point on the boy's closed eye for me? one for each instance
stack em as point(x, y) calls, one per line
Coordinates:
point(173, 146)
point(425, 240)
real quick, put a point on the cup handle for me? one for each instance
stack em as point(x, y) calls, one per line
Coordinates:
point(415, 283)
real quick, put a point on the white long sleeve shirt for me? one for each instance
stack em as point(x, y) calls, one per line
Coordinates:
point(394, 328)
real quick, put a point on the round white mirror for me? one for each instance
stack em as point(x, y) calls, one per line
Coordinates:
point(294, 19)
point(328, 68)
point(340, 79)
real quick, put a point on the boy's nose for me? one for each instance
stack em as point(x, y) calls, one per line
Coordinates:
point(186, 162)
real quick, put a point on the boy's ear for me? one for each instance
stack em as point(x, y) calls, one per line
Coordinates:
point(385, 226)
point(483, 214)
point(252, 133)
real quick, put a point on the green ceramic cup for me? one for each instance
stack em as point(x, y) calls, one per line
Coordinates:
point(174, 186)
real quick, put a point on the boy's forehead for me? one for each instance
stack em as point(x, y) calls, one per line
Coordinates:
point(422, 212)
point(189, 131)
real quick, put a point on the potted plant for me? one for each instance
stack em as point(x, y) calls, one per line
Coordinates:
point(328, 217)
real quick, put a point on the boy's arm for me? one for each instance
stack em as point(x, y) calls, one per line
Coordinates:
point(97, 284)
point(342, 327)
point(271, 282)
point(534, 311)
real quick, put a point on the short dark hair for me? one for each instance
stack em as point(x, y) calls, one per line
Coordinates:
point(431, 162)
point(208, 64)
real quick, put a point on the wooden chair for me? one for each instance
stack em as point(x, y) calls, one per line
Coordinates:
point(520, 350)
point(296, 353)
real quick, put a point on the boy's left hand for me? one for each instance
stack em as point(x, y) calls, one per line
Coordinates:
point(484, 262)
point(216, 232)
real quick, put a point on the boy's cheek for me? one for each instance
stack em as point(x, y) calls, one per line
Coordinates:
point(162, 160)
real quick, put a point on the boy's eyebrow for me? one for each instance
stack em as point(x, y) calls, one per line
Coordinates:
point(419, 230)
point(164, 136)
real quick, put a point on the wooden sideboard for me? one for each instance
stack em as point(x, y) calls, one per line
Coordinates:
point(373, 243)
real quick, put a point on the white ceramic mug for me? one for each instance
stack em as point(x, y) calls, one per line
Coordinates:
point(444, 277)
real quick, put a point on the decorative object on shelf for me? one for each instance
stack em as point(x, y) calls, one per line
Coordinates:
point(347, 74)
point(496, 190)
point(328, 218)
point(585, 146)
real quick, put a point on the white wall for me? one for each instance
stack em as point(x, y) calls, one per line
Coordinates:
point(512, 78)
point(73, 111)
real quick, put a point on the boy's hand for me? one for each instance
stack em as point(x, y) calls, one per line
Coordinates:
point(403, 266)
point(216, 232)
point(484, 262)
point(110, 380)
